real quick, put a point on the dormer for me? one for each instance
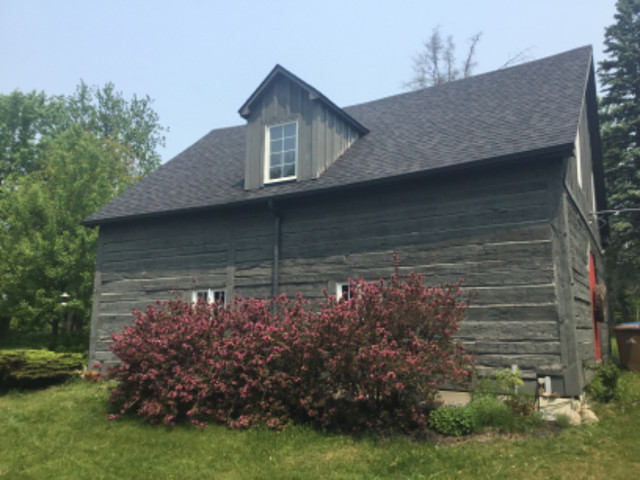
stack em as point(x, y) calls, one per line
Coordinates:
point(294, 132)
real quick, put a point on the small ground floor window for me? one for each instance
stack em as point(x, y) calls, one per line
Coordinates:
point(209, 295)
point(343, 291)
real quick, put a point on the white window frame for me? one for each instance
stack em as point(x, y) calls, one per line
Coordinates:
point(267, 154)
point(578, 156)
point(340, 287)
point(213, 295)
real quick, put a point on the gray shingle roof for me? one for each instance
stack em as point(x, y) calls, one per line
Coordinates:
point(533, 107)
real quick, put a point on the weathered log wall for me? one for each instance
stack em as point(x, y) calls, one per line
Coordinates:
point(493, 227)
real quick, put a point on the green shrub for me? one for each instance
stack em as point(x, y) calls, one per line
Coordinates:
point(563, 420)
point(522, 404)
point(499, 383)
point(604, 386)
point(528, 423)
point(453, 420)
point(73, 342)
point(36, 368)
point(489, 411)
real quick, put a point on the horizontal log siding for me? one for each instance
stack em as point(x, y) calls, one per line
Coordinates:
point(139, 263)
point(581, 247)
point(490, 228)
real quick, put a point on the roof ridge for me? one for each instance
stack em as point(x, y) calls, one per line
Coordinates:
point(456, 82)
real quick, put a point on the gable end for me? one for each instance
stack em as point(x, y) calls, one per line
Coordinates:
point(323, 131)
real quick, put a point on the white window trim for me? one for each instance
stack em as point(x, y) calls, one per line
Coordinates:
point(339, 289)
point(267, 154)
point(211, 294)
point(578, 159)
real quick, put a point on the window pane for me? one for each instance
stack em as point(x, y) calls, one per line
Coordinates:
point(202, 295)
point(290, 129)
point(275, 132)
point(218, 296)
point(276, 146)
point(274, 172)
point(289, 157)
point(289, 170)
point(276, 159)
point(289, 143)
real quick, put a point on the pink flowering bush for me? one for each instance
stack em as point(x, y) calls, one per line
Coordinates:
point(375, 360)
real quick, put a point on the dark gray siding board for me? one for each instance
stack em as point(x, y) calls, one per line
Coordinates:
point(322, 135)
point(573, 241)
point(582, 246)
point(139, 263)
point(491, 227)
point(562, 250)
point(583, 194)
point(417, 215)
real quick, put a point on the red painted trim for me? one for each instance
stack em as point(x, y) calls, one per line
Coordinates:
point(592, 288)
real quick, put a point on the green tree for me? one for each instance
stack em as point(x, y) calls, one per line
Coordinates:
point(620, 115)
point(62, 158)
point(107, 114)
point(24, 118)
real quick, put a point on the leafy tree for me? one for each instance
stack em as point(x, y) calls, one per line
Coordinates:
point(620, 115)
point(436, 64)
point(61, 158)
point(24, 118)
point(105, 113)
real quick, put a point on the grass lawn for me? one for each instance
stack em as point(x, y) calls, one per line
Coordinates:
point(62, 432)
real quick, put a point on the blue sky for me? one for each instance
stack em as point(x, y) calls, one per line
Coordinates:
point(200, 60)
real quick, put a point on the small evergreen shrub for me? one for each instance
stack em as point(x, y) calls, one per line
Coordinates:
point(37, 368)
point(372, 361)
point(604, 386)
point(455, 421)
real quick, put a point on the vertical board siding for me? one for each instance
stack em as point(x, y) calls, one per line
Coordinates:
point(323, 135)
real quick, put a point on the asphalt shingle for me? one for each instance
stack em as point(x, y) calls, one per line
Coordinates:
point(531, 107)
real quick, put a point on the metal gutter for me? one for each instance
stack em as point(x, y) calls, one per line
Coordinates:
point(529, 156)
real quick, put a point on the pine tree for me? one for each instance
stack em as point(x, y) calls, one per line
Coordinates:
point(620, 117)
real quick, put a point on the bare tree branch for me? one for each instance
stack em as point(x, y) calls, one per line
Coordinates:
point(519, 57)
point(469, 63)
point(436, 64)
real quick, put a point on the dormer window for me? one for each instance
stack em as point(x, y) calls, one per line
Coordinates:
point(294, 133)
point(281, 152)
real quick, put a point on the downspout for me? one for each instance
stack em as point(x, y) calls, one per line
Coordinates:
point(276, 249)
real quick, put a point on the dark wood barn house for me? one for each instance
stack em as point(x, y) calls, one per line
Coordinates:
point(494, 179)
